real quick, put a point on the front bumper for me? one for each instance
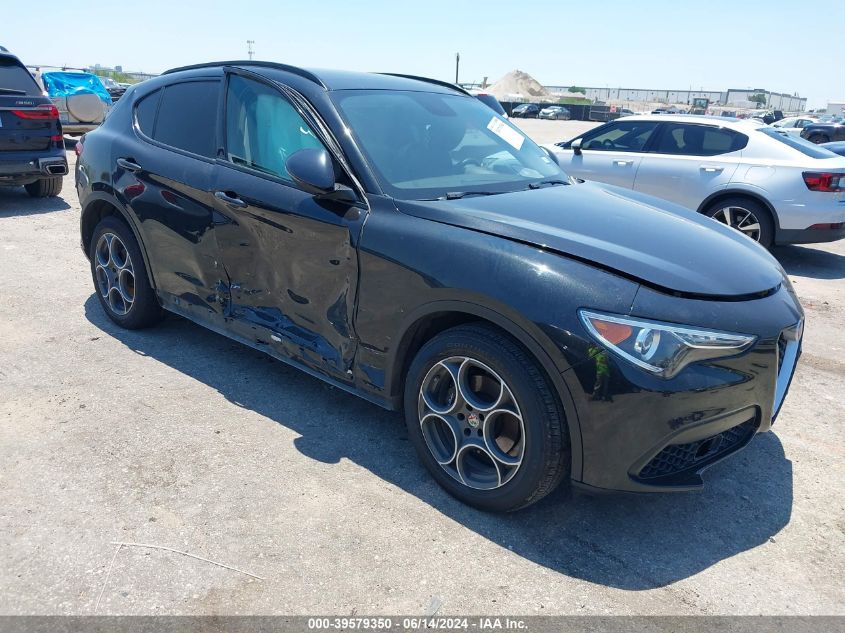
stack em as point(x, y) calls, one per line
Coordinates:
point(641, 433)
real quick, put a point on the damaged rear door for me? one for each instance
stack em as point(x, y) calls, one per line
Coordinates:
point(289, 260)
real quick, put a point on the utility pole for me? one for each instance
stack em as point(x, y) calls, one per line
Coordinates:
point(250, 51)
point(457, 65)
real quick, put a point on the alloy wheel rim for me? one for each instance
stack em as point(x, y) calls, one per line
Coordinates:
point(740, 219)
point(471, 423)
point(115, 274)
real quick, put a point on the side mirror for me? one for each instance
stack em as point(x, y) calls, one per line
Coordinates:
point(575, 146)
point(313, 171)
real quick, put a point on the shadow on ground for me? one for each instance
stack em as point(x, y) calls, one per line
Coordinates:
point(15, 201)
point(810, 262)
point(629, 542)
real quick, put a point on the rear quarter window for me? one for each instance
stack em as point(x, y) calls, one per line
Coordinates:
point(145, 112)
point(14, 76)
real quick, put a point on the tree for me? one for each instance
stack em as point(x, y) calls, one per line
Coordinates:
point(759, 99)
point(583, 91)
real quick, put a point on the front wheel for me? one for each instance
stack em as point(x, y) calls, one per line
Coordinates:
point(746, 216)
point(818, 139)
point(484, 419)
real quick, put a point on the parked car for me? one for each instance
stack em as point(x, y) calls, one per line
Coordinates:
point(526, 111)
point(490, 101)
point(554, 112)
point(793, 125)
point(626, 112)
point(819, 132)
point(774, 188)
point(837, 147)
point(386, 235)
point(80, 97)
point(32, 151)
point(114, 89)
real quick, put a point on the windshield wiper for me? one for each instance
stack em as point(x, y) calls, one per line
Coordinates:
point(457, 195)
point(12, 91)
point(537, 185)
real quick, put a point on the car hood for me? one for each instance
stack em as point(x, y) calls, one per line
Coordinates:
point(638, 236)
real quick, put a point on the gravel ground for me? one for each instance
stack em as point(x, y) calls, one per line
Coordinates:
point(178, 438)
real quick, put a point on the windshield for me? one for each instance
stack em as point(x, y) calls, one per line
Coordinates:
point(16, 78)
point(805, 147)
point(424, 145)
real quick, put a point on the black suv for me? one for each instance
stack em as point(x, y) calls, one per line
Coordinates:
point(32, 150)
point(398, 239)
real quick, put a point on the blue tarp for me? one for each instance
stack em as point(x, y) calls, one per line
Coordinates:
point(64, 84)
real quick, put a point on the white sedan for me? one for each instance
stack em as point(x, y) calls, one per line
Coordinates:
point(793, 125)
point(773, 187)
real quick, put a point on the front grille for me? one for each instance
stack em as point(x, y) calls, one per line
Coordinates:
point(678, 459)
point(781, 351)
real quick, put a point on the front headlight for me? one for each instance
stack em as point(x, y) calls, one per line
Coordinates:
point(663, 349)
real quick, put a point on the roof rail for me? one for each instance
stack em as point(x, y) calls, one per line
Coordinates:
point(244, 62)
point(429, 80)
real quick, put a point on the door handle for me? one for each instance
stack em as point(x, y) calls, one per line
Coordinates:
point(128, 164)
point(623, 163)
point(712, 169)
point(230, 198)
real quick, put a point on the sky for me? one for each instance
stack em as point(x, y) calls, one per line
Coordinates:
point(710, 44)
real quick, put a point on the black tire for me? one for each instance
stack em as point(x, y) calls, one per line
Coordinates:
point(545, 460)
point(818, 139)
point(766, 232)
point(45, 187)
point(145, 309)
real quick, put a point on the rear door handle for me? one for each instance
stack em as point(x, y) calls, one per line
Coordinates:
point(623, 163)
point(230, 198)
point(128, 164)
point(712, 169)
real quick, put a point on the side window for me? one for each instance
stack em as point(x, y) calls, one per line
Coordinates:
point(698, 140)
point(187, 117)
point(627, 136)
point(145, 112)
point(263, 128)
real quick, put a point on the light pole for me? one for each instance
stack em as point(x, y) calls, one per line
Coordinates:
point(457, 65)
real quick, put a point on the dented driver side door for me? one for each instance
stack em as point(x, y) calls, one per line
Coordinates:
point(289, 261)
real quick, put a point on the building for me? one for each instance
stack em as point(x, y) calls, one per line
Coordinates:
point(731, 97)
point(836, 107)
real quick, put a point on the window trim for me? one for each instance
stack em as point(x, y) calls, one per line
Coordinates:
point(205, 78)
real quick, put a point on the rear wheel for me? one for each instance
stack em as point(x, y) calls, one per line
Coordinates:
point(818, 139)
point(745, 215)
point(120, 277)
point(45, 187)
point(484, 419)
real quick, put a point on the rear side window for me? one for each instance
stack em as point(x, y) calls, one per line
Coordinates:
point(263, 128)
point(187, 117)
point(698, 140)
point(16, 78)
point(145, 112)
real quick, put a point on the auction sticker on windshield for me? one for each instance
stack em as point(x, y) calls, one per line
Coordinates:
point(506, 133)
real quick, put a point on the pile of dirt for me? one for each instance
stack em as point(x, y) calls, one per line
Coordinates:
point(519, 86)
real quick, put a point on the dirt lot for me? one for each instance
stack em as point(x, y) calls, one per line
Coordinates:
point(177, 437)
